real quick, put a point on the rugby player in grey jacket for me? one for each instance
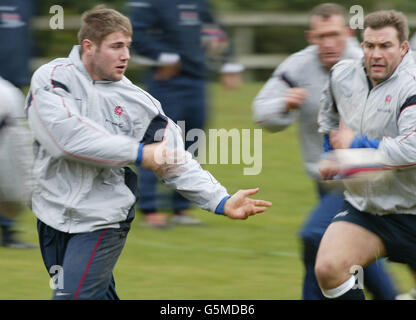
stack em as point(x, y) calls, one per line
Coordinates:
point(293, 94)
point(15, 152)
point(374, 101)
point(89, 123)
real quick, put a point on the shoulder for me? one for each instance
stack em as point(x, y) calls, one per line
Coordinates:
point(407, 85)
point(297, 62)
point(141, 96)
point(344, 69)
point(58, 68)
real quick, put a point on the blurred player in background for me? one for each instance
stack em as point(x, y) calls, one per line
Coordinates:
point(293, 94)
point(15, 160)
point(15, 52)
point(167, 37)
point(90, 123)
point(371, 104)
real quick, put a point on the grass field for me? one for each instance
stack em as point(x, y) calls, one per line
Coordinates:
point(225, 259)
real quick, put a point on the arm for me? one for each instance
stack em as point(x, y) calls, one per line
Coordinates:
point(144, 17)
point(60, 128)
point(219, 50)
point(188, 178)
point(401, 150)
point(328, 117)
point(271, 106)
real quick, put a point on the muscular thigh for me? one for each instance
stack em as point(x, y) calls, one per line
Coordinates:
point(346, 244)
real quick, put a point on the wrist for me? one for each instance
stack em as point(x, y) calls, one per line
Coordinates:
point(139, 158)
point(221, 206)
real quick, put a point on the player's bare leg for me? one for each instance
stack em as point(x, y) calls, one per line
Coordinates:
point(344, 245)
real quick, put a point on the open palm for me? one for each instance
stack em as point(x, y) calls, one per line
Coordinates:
point(240, 206)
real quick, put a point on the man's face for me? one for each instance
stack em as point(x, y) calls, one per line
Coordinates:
point(330, 35)
point(382, 52)
point(109, 61)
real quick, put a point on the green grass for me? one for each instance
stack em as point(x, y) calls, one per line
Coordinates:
point(225, 259)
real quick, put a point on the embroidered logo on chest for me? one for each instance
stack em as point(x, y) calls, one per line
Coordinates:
point(386, 107)
point(117, 113)
point(119, 118)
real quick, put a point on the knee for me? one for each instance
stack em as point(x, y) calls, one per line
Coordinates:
point(328, 273)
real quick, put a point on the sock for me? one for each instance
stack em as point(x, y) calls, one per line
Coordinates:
point(346, 291)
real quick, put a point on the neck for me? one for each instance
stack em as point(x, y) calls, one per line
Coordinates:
point(89, 67)
point(327, 66)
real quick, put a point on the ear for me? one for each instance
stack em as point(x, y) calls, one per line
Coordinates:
point(88, 47)
point(310, 37)
point(404, 48)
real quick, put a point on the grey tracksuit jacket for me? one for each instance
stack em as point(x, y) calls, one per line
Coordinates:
point(302, 69)
point(387, 113)
point(86, 131)
point(15, 146)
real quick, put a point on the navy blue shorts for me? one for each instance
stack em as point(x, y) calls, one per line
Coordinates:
point(81, 264)
point(397, 231)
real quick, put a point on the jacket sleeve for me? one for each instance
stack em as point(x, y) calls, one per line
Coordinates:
point(145, 18)
point(59, 127)
point(401, 150)
point(269, 106)
point(189, 179)
point(192, 182)
point(328, 116)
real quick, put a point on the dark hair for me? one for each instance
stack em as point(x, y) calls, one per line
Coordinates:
point(385, 18)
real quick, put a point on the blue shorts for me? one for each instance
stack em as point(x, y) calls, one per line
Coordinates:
point(397, 231)
point(81, 264)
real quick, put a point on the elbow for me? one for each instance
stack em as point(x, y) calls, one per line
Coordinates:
point(272, 122)
point(269, 124)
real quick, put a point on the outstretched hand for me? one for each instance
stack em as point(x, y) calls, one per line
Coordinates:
point(240, 206)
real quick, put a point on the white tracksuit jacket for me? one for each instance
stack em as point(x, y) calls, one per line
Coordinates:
point(15, 146)
point(387, 113)
point(85, 132)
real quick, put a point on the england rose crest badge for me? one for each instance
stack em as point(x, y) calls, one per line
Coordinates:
point(118, 112)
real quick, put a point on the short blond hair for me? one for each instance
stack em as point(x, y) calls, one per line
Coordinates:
point(388, 18)
point(99, 22)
